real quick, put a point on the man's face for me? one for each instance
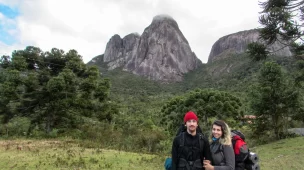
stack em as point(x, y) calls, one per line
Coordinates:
point(191, 125)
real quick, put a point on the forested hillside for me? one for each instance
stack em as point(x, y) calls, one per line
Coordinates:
point(54, 94)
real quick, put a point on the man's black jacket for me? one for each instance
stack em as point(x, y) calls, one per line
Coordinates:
point(191, 150)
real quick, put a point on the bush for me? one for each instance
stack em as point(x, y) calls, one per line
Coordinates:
point(16, 127)
point(149, 140)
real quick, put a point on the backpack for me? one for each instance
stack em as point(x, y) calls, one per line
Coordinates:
point(168, 164)
point(239, 145)
point(201, 140)
point(183, 129)
point(180, 131)
point(244, 159)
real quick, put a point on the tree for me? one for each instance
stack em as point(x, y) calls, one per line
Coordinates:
point(54, 89)
point(273, 101)
point(282, 21)
point(299, 80)
point(10, 81)
point(208, 104)
point(299, 76)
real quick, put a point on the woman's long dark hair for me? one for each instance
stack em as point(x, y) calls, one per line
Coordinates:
point(226, 136)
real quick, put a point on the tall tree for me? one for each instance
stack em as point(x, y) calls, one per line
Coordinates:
point(273, 101)
point(11, 78)
point(207, 104)
point(54, 89)
point(282, 21)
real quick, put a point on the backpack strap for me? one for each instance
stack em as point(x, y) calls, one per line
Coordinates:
point(233, 141)
point(190, 164)
point(201, 142)
point(182, 140)
point(221, 149)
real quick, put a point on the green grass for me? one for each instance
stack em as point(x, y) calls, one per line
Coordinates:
point(52, 154)
point(67, 154)
point(283, 154)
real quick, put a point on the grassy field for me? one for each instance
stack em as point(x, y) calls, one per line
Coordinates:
point(282, 155)
point(52, 154)
point(65, 154)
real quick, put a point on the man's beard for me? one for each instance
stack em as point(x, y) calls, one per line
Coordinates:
point(192, 129)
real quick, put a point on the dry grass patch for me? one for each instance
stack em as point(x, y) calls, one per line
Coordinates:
point(54, 154)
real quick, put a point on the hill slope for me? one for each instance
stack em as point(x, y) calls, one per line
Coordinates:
point(234, 73)
point(283, 154)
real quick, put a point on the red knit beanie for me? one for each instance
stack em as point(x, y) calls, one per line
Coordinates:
point(190, 115)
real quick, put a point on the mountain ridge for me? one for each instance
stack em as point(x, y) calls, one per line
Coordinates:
point(160, 53)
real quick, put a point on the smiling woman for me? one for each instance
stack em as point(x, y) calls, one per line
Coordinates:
point(220, 147)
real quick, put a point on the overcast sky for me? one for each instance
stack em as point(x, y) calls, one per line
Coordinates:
point(87, 25)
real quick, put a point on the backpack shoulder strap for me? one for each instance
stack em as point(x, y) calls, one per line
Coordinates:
point(201, 141)
point(233, 141)
point(221, 148)
point(182, 139)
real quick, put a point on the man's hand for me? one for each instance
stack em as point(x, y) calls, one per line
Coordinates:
point(207, 165)
point(206, 161)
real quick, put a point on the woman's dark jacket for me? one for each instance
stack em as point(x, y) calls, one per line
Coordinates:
point(223, 156)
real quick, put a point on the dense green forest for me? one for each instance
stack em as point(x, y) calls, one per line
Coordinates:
point(54, 94)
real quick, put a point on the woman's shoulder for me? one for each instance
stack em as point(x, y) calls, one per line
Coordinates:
point(227, 147)
point(225, 141)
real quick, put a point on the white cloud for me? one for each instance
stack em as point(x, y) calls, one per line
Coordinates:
point(8, 49)
point(88, 25)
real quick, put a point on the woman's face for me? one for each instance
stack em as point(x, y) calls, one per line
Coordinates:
point(217, 131)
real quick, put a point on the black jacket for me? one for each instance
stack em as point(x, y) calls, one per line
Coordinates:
point(189, 151)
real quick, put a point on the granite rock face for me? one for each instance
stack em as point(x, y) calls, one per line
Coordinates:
point(118, 50)
point(237, 43)
point(160, 53)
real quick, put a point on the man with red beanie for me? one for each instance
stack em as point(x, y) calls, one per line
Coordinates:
point(190, 148)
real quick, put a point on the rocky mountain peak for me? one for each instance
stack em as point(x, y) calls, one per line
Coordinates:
point(237, 43)
point(160, 53)
point(164, 19)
